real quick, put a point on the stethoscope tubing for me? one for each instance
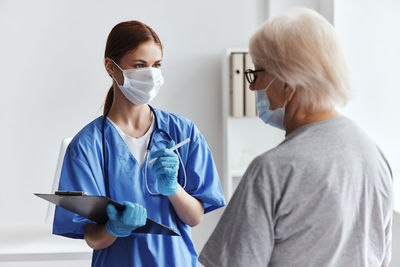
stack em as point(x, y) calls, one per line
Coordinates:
point(105, 158)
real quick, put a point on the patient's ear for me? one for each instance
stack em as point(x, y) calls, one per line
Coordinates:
point(289, 92)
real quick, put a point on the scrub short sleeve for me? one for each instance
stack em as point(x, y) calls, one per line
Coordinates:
point(76, 175)
point(203, 181)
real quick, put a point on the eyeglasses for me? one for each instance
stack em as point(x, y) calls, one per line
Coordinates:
point(251, 75)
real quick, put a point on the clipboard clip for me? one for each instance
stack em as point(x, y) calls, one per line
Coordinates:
point(70, 193)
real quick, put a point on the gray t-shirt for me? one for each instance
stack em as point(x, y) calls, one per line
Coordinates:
point(323, 197)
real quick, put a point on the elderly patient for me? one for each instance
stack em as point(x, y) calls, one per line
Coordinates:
point(323, 197)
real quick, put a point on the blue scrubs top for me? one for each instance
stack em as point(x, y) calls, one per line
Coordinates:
point(83, 171)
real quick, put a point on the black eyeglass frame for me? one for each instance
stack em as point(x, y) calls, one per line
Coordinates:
point(249, 73)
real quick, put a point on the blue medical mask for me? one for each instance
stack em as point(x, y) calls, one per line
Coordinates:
point(275, 117)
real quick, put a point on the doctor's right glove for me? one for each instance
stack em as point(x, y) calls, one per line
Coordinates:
point(122, 223)
point(166, 170)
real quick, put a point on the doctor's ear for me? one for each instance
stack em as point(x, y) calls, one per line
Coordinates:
point(110, 67)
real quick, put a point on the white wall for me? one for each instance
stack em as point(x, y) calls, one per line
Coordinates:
point(278, 7)
point(53, 81)
point(369, 32)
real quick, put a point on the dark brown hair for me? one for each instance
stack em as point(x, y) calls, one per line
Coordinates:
point(123, 38)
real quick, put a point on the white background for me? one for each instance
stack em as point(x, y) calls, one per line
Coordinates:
point(53, 81)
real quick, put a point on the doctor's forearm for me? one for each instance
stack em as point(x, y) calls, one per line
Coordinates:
point(189, 209)
point(97, 237)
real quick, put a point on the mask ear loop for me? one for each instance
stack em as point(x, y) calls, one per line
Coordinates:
point(117, 65)
point(123, 74)
point(266, 88)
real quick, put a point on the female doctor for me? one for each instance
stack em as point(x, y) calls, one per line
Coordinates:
point(112, 156)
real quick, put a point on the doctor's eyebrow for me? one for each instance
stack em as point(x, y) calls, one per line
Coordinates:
point(144, 61)
point(140, 60)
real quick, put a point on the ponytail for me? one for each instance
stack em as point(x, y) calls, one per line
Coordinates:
point(124, 37)
point(109, 100)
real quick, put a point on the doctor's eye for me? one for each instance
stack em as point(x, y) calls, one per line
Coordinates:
point(138, 66)
point(157, 65)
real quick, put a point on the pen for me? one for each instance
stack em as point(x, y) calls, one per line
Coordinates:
point(174, 147)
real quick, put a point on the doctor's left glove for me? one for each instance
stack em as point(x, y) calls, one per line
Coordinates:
point(122, 223)
point(166, 170)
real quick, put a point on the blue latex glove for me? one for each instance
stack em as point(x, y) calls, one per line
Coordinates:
point(166, 170)
point(122, 223)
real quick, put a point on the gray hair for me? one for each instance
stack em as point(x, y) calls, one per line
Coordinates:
point(301, 48)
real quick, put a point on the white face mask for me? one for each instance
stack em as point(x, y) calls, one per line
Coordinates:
point(275, 117)
point(141, 85)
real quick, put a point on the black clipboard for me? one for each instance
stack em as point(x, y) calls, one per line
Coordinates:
point(94, 208)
